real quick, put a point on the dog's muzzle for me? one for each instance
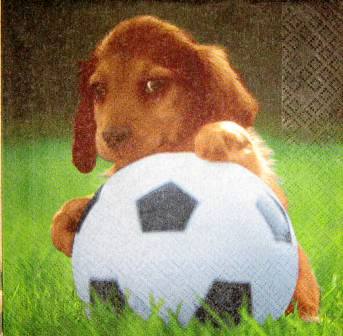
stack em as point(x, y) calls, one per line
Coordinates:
point(114, 136)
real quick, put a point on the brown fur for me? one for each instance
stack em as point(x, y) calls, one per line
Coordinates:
point(84, 151)
point(200, 106)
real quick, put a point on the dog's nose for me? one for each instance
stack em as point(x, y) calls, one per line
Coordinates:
point(115, 135)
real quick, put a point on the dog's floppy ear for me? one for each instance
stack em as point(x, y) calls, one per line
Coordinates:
point(84, 147)
point(225, 98)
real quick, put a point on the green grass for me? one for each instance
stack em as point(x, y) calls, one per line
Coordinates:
point(40, 298)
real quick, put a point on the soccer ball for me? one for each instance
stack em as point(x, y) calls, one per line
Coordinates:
point(199, 235)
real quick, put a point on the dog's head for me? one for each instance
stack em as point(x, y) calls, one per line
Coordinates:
point(148, 88)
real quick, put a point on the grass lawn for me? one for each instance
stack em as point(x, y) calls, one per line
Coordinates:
point(40, 298)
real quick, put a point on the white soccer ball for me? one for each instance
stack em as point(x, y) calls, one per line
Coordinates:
point(189, 232)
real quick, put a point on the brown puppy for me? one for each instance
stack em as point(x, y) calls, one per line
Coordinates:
point(150, 87)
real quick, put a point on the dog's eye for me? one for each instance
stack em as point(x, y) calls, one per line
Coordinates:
point(154, 85)
point(99, 92)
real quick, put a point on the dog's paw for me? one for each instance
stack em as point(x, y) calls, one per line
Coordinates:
point(65, 224)
point(227, 141)
point(311, 319)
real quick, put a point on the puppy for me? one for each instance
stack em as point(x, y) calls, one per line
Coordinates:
point(149, 87)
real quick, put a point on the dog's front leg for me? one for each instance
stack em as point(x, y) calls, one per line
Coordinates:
point(66, 222)
point(229, 142)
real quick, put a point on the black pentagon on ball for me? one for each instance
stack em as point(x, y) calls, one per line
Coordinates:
point(225, 298)
point(88, 208)
point(275, 217)
point(108, 292)
point(167, 208)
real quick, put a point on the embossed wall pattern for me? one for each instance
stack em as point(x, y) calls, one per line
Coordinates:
point(312, 71)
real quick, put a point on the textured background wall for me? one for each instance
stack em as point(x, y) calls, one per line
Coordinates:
point(312, 71)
